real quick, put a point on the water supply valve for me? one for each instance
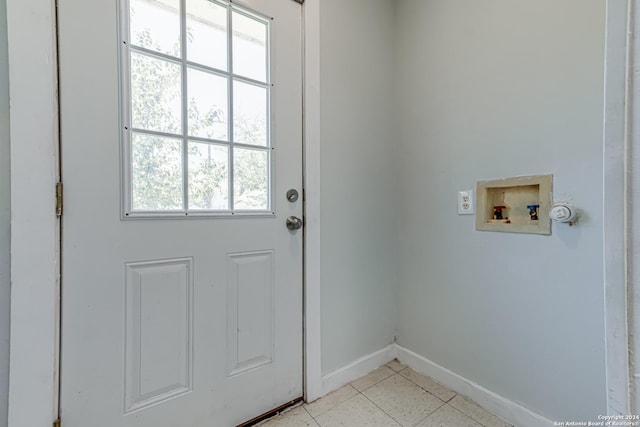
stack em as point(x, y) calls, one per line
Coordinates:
point(497, 212)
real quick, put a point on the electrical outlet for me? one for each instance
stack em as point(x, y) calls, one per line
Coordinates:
point(465, 202)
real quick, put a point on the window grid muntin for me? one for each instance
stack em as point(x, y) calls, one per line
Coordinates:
point(127, 129)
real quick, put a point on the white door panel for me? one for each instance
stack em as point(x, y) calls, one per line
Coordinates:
point(176, 321)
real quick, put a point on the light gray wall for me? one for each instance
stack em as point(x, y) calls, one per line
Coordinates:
point(5, 200)
point(358, 267)
point(486, 90)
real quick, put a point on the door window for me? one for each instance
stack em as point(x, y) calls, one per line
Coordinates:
point(196, 109)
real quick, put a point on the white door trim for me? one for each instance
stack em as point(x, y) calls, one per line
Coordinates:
point(34, 227)
point(311, 109)
point(621, 35)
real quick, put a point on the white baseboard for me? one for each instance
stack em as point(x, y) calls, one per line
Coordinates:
point(358, 368)
point(511, 411)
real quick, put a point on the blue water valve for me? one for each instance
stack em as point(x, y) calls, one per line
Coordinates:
point(533, 212)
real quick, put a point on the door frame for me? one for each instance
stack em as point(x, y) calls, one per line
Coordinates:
point(311, 171)
point(621, 51)
point(35, 237)
point(35, 229)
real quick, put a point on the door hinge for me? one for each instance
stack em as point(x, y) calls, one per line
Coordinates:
point(59, 199)
point(57, 423)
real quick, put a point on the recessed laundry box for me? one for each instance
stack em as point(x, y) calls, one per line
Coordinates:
point(515, 205)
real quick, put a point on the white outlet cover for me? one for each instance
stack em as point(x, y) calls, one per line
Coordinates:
point(465, 202)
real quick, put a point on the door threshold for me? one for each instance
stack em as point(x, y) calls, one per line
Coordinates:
point(271, 413)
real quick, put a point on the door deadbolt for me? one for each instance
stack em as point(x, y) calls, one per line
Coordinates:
point(292, 195)
point(294, 223)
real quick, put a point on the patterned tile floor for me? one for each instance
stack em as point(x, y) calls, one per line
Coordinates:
point(392, 395)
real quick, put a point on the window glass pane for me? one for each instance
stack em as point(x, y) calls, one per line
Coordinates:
point(249, 114)
point(155, 25)
point(208, 177)
point(207, 33)
point(156, 173)
point(155, 94)
point(185, 116)
point(207, 105)
point(251, 179)
point(249, 47)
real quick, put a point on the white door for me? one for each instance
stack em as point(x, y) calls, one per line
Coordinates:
point(182, 285)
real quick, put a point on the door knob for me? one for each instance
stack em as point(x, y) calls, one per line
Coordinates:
point(294, 223)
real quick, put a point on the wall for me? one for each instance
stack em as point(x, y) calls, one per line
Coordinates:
point(358, 267)
point(5, 230)
point(486, 90)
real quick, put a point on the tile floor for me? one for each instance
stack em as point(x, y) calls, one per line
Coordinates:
point(392, 395)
